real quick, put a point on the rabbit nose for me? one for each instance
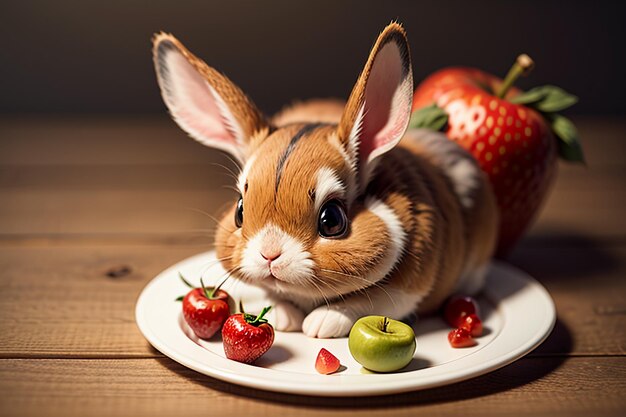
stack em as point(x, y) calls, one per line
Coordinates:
point(270, 255)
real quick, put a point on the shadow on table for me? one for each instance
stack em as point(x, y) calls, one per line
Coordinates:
point(517, 374)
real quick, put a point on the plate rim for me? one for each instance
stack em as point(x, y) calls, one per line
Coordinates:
point(396, 384)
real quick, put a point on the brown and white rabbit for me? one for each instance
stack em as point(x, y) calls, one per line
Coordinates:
point(342, 212)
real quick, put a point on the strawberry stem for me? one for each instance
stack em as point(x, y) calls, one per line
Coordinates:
point(204, 290)
point(258, 319)
point(522, 66)
point(216, 289)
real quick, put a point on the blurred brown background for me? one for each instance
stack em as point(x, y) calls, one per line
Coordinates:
point(94, 56)
point(100, 191)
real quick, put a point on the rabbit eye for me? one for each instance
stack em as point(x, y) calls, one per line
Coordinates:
point(239, 212)
point(332, 222)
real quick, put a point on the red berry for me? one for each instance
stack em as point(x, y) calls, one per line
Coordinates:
point(473, 325)
point(205, 316)
point(247, 337)
point(460, 338)
point(326, 363)
point(457, 308)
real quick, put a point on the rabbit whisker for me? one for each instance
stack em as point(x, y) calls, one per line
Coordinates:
point(217, 222)
point(232, 173)
point(361, 287)
point(321, 293)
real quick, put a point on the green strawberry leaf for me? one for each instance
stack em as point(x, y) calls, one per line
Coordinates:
point(205, 290)
point(546, 99)
point(430, 117)
point(181, 298)
point(257, 320)
point(569, 143)
point(529, 97)
point(182, 278)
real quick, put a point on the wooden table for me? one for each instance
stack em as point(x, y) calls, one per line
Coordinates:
point(91, 209)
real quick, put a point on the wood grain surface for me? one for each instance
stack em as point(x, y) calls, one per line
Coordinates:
point(92, 209)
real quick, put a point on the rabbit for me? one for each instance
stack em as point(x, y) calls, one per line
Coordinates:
point(342, 212)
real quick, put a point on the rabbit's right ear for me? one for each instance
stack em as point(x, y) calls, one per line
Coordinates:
point(204, 103)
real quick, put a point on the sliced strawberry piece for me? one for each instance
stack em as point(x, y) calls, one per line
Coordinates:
point(460, 338)
point(326, 363)
point(473, 324)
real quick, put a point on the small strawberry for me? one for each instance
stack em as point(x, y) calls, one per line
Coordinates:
point(473, 324)
point(458, 308)
point(460, 338)
point(205, 309)
point(326, 363)
point(515, 136)
point(247, 337)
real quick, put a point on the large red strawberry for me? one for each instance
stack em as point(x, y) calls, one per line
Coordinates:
point(247, 337)
point(515, 136)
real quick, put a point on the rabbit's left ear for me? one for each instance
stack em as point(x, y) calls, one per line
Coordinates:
point(204, 103)
point(378, 111)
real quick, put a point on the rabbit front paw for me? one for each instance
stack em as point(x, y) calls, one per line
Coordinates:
point(328, 321)
point(286, 317)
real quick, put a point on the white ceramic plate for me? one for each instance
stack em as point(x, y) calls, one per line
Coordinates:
point(518, 314)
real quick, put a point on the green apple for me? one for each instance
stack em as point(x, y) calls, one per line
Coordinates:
point(381, 344)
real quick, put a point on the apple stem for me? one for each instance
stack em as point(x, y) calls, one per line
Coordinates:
point(385, 324)
point(522, 66)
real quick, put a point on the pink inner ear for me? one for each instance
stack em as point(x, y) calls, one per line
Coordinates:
point(386, 107)
point(194, 104)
